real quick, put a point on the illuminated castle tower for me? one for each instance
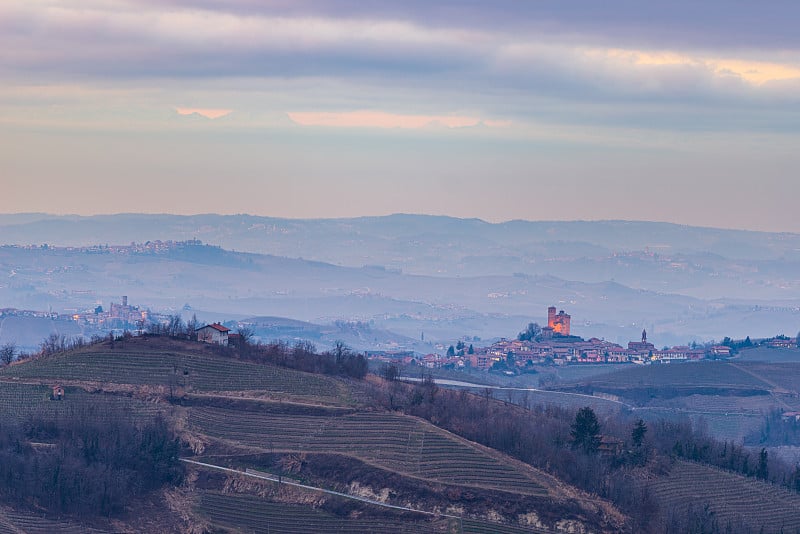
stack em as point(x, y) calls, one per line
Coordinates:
point(559, 322)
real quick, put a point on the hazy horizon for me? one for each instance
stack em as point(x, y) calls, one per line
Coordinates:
point(379, 215)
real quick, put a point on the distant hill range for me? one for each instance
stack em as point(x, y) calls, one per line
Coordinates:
point(411, 274)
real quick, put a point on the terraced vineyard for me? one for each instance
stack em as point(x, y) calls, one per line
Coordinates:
point(251, 514)
point(680, 375)
point(731, 497)
point(470, 526)
point(755, 404)
point(723, 426)
point(15, 522)
point(769, 354)
point(559, 398)
point(195, 371)
point(250, 409)
point(581, 372)
point(21, 401)
point(732, 427)
point(727, 418)
point(398, 443)
point(782, 375)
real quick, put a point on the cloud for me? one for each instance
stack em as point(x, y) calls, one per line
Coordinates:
point(144, 40)
point(380, 119)
point(547, 62)
point(630, 23)
point(209, 113)
point(752, 71)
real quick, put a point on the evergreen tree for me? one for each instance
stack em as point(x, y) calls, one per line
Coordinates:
point(762, 471)
point(585, 430)
point(638, 432)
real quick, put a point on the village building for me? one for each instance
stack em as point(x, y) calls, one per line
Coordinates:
point(558, 322)
point(642, 347)
point(213, 333)
point(720, 350)
point(482, 360)
point(782, 343)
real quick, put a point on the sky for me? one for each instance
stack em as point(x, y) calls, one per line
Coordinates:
point(678, 111)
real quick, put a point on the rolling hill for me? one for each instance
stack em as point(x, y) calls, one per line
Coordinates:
point(317, 429)
point(411, 274)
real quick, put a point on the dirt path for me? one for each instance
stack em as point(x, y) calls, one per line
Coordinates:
point(281, 480)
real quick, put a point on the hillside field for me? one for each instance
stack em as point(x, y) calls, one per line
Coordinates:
point(330, 434)
point(232, 411)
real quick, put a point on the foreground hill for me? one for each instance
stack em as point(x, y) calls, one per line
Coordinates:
point(166, 366)
point(267, 448)
point(317, 430)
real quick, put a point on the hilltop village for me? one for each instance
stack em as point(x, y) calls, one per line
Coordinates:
point(555, 345)
point(552, 344)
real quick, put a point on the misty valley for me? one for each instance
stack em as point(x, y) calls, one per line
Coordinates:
point(263, 383)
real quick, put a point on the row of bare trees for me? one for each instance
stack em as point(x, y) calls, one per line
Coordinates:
point(341, 360)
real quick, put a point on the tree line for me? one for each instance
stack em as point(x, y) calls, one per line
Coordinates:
point(80, 465)
point(303, 356)
point(340, 360)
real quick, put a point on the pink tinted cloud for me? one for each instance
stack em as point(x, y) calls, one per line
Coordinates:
point(379, 119)
point(209, 113)
point(497, 123)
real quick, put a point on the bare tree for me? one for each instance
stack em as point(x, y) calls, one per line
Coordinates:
point(245, 334)
point(191, 327)
point(176, 326)
point(7, 353)
point(54, 343)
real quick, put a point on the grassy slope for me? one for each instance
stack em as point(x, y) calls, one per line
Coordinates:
point(163, 365)
point(144, 368)
point(769, 354)
point(679, 375)
point(315, 414)
point(398, 443)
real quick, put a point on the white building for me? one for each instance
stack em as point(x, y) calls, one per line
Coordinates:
point(213, 333)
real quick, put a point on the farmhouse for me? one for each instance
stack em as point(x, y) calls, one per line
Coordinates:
point(782, 343)
point(213, 333)
point(609, 446)
point(720, 350)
